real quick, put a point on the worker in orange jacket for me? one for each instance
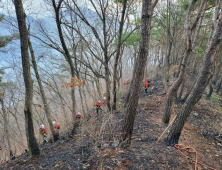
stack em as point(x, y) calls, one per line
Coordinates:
point(146, 86)
point(56, 126)
point(98, 106)
point(43, 132)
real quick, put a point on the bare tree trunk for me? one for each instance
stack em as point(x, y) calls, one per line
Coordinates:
point(97, 87)
point(138, 74)
point(167, 55)
point(81, 98)
point(118, 54)
point(6, 125)
point(30, 134)
point(87, 107)
point(202, 80)
point(67, 57)
point(44, 99)
point(180, 91)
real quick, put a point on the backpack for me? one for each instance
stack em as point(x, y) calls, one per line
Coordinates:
point(58, 127)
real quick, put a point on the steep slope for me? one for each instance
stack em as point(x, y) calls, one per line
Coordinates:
point(93, 146)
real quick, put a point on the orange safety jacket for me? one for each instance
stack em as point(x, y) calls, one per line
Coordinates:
point(56, 126)
point(43, 131)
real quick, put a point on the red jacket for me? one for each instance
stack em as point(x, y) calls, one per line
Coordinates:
point(147, 84)
point(79, 116)
point(43, 131)
point(98, 104)
point(56, 125)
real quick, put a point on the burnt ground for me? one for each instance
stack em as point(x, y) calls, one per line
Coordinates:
point(94, 145)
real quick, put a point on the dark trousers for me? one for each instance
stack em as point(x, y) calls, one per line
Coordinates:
point(146, 92)
point(97, 109)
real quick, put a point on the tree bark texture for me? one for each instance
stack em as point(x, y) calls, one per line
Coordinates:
point(30, 134)
point(6, 125)
point(138, 74)
point(203, 79)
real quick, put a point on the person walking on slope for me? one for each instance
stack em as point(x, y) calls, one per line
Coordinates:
point(146, 86)
point(56, 126)
point(43, 132)
point(98, 106)
point(78, 115)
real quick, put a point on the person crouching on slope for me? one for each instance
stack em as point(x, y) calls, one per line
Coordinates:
point(56, 126)
point(43, 132)
point(146, 86)
point(98, 106)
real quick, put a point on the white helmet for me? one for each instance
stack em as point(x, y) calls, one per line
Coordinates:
point(53, 122)
point(104, 97)
point(79, 113)
point(42, 126)
point(99, 101)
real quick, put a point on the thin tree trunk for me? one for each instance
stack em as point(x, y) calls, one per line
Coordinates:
point(30, 134)
point(81, 98)
point(118, 54)
point(180, 91)
point(44, 99)
point(6, 126)
point(87, 107)
point(97, 88)
point(67, 56)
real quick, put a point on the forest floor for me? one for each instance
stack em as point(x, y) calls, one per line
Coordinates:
point(94, 145)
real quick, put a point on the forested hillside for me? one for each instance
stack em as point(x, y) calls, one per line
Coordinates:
point(110, 84)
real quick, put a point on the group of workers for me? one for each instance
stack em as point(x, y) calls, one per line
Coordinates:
point(43, 130)
point(98, 106)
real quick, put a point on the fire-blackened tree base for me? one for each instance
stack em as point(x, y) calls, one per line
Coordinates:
point(172, 140)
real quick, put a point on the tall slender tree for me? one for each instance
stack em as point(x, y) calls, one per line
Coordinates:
point(44, 99)
point(138, 74)
point(30, 135)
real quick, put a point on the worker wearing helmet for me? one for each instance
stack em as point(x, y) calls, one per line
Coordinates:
point(98, 106)
point(78, 115)
point(56, 126)
point(43, 132)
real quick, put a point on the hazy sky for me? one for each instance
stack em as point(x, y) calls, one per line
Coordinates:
point(35, 8)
